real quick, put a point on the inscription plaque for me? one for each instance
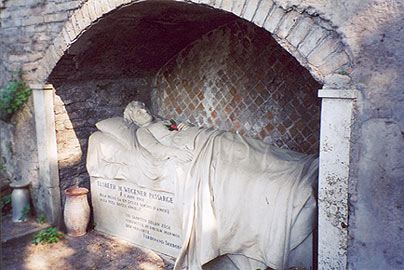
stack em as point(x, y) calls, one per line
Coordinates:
point(139, 215)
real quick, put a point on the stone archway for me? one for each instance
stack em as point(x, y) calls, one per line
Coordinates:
point(311, 41)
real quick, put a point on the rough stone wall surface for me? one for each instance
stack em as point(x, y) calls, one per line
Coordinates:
point(27, 28)
point(372, 29)
point(79, 105)
point(238, 78)
point(18, 150)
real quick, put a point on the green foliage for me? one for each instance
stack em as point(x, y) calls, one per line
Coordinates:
point(13, 95)
point(2, 169)
point(50, 235)
point(5, 204)
point(41, 219)
point(342, 72)
point(25, 212)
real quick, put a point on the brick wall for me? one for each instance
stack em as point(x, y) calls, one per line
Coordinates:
point(237, 78)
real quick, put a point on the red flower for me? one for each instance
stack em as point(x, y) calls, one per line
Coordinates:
point(173, 125)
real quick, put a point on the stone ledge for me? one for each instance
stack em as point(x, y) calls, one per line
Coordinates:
point(17, 231)
point(338, 93)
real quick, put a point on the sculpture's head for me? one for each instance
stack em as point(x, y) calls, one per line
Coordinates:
point(137, 112)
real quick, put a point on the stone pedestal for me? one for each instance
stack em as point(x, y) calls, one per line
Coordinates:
point(47, 151)
point(336, 120)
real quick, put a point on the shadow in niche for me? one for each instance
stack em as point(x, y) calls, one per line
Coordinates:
point(79, 106)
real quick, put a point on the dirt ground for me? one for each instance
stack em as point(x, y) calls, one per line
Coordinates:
point(95, 250)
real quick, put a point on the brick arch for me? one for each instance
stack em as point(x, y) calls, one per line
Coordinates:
point(315, 46)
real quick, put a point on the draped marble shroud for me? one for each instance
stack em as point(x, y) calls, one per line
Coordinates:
point(238, 195)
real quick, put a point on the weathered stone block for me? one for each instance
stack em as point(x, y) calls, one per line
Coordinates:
point(57, 17)
point(33, 30)
point(105, 6)
point(98, 9)
point(48, 62)
point(29, 67)
point(263, 10)
point(51, 8)
point(299, 32)
point(60, 45)
point(5, 14)
point(86, 13)
point(90, 8)
point(68, 6)
point(334, 62)
point(110, 4)
point(29, 76)
point(35, 56)
point(318, 56)
point(226, 5)
point(312, 40)
point(250, 9)
point(70, 30)
point(121, 2)
point(238, 6)
point(288, 22)
point(15, 3)
point(12, 22)
point(83, 19)
point(204, 1)
point(42, 72)
point(76, 23)
point(21, 58)
point(66, 36)
point(274, 19)
point(34, 20)
point(337, 81)
point(54, 56)
point(21, 12)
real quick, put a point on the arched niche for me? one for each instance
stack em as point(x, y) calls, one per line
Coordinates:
point(311, 41)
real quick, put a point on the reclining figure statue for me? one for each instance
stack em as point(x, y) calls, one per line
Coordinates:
point(237, 196)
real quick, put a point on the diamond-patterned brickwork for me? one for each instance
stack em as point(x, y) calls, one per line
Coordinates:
point(238, 78)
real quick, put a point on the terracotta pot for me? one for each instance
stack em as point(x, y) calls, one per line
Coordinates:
point(77, 211)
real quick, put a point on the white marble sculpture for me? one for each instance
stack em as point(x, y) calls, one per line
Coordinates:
point(238, 196)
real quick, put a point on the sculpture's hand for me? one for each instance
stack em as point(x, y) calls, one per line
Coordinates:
point(181, 155)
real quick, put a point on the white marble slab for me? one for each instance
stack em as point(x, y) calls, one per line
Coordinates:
point(142, 216)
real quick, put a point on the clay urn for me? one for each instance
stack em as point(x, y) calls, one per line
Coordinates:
point(77, 211)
